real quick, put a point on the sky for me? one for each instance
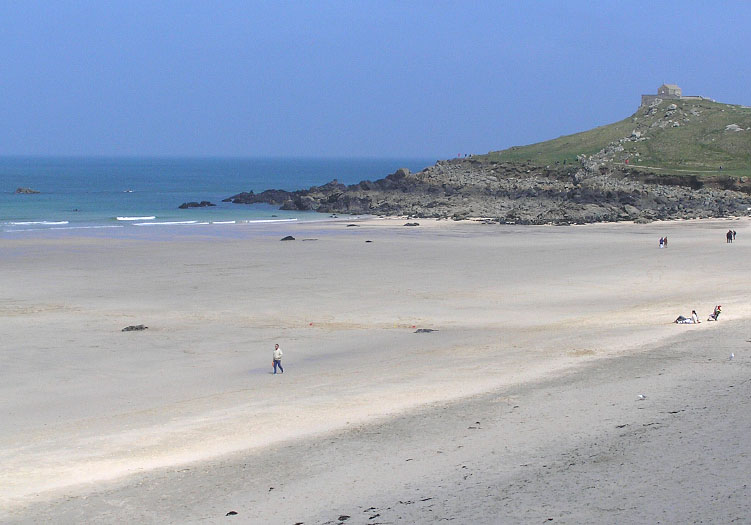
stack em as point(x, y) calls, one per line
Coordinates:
point(348, 78)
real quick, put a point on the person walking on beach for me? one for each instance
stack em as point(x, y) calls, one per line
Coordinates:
point(729, 236)
point(733, 234)
point(278, 358)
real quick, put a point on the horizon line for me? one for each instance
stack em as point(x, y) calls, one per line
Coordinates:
point(204, 157)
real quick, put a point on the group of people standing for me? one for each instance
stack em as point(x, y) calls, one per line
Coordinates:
point(729, 236)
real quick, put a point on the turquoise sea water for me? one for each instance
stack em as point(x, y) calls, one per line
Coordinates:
point(91, 193)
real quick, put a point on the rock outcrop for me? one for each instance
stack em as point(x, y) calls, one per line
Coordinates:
point(194, 204)
point(26, 191)
point(521, 193)
point(135, 328)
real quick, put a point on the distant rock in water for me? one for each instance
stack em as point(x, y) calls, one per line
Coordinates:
point(288, 238)
point(202, 204)
point(26, 191)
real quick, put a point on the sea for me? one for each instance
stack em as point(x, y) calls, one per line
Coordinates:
point(112, 196)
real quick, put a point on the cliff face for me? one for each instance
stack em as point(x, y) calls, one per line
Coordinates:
point(521, 193)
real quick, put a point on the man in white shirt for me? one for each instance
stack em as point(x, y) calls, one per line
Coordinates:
point(278, 358)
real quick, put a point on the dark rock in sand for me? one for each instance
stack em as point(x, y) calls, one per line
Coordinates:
point(353, 226)
point(231, 513)
point(424, 330)
point(411, 223)
point(288, 238)
point(26, 191)
point(134, 328)
point(202, 204)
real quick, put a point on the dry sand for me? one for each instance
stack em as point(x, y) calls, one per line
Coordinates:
point(521, 407)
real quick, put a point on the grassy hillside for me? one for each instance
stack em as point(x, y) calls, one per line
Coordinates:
point(676, 136)
point(567, 147)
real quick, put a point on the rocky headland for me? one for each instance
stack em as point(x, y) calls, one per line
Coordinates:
point(522, 193)
point(676, 159)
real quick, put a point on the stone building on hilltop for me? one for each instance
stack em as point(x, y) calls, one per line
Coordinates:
point(668, 92)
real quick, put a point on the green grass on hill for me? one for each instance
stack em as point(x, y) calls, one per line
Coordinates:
point(700, 142)
point(566, 147)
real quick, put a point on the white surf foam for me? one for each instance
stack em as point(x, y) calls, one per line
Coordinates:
point(224, 222)
point(166, 223)
point(146, 218)
point(63, 228)
point(258, 221)
point(29, 223)
point(88, 227)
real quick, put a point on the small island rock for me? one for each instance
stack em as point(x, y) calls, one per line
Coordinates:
point(193, 204)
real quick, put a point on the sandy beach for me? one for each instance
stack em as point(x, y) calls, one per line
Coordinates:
point(519, 407)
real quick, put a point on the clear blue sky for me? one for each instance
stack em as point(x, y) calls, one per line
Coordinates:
point(348, 78)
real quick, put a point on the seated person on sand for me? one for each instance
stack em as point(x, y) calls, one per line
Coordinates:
point(694, 319)
point(716, 314)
